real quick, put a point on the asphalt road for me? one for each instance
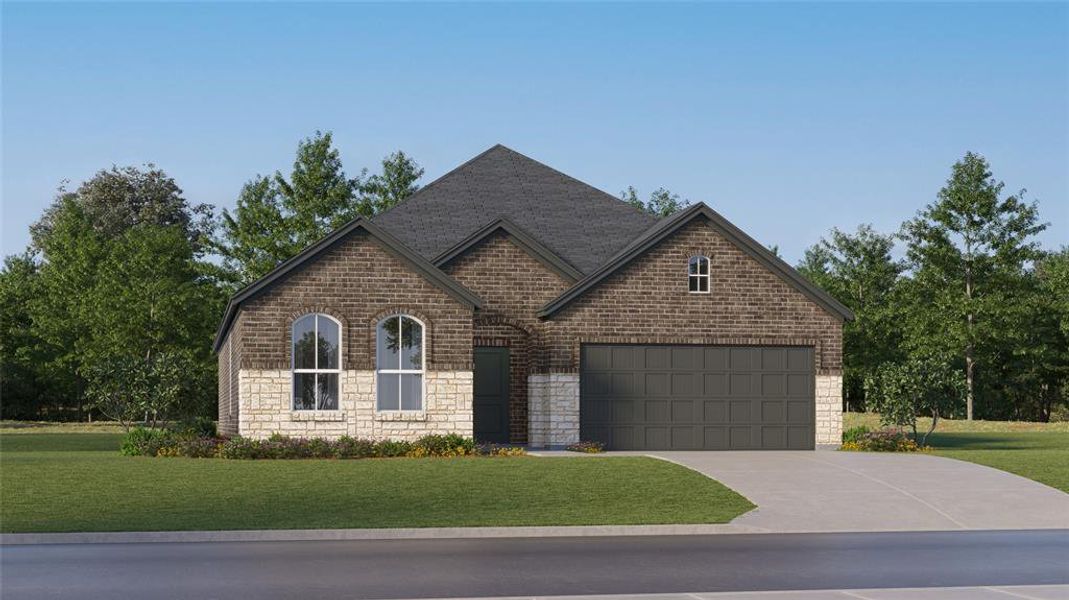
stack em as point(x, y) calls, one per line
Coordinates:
point(537, 566)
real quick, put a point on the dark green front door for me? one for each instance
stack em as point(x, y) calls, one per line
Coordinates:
point(491, 402)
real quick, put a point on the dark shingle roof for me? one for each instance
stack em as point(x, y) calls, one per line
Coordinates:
point(581, 224)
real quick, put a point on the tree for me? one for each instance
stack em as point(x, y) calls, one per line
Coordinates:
point(966, 252)
point(123, 197)
point(660, 204)
point(277, 217)
point(109, 256)
point(150, 301)
point(859, 271)
point(396, 182)
point(26, 387)
point(918, 386)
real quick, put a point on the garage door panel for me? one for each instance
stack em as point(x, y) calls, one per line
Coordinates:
point(773, 411)
point(774, 359)
point(740, 384)
point(683, 438)
point(715, 438)
point(799, 359)
point(773, 384)
point(656, 385)
point(656, 411)
point(683, 411)
point(716, 384)
point(773, 438)
point(623, 358)
point(798, 386)
point(656, 438)
point(716, 411)
point(716, 359)
point(657, 358)
point(697, 397)
point(741, 411)
point(799, 411)
point(799, 438)
point(685, 384)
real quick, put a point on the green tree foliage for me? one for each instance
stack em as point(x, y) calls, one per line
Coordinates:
point(27, 388)
point(661, 202)
point(117, 269)
point(396, 182)
point(967, 252)
point(276, 217)
point(915, 387)
point(858, 269)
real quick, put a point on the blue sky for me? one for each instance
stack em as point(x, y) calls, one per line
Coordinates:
point(789, 119)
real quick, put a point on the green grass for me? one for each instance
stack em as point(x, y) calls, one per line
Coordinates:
point(1040, 456)
point(1038, 451)
point(79, 482)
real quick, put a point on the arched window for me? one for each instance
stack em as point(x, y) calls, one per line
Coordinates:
point(316, 362)
point(698, 275)
point(400, 363)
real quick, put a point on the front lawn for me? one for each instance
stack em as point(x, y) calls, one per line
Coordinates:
point(79, 482)
point(1038, 451)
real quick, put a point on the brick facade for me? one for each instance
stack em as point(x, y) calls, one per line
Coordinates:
point(513, 286)
point(647, 302)
point(358, 282)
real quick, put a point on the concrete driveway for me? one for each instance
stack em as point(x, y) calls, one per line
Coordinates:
point(857, 491)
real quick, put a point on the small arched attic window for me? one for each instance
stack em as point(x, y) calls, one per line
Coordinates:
point(698, 274)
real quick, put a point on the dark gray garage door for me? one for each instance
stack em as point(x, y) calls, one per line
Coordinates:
point(697, 397)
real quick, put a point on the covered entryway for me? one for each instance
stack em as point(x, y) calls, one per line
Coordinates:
point(659, 397)
point(490, 406)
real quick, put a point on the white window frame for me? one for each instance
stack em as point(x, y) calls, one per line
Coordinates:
point(422, 371)
point(699, 276)
point(293, 362)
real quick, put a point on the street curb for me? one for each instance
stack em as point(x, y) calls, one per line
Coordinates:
point(315, 535)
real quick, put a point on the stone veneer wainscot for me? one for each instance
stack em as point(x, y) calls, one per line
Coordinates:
point(266, 408)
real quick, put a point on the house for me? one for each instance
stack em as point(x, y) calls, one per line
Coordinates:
point(510, 302)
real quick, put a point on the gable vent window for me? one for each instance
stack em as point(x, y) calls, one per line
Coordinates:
point(316, 362)
point(399, 362)
point(698, 274)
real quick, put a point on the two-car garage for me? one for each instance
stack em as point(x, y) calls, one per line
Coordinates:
point(681, 397)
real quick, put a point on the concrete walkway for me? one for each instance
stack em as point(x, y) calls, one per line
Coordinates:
point(863, 491)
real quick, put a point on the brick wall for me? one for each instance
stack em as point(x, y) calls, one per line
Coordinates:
point(357, 282)
point(647, 301)
point(514, 286)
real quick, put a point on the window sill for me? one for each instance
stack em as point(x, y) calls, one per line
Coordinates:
point(317, 415)
point(401, 415)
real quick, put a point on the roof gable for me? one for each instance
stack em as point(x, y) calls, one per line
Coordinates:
point(389, 242)
point(578, 223)
point(670, 225)
point(522, 239)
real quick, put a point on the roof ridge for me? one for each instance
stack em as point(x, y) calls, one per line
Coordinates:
point(440, 178)
point(571, 178)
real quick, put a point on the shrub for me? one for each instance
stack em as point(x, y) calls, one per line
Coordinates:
point(197, 427)
point(143, 441)
point(884, 440)
point(443, 445)
point(240, 448)
point(919, 386)
point(586, 447)
point(192, 448)
point(349, 447)
point(392, 448)
point(854, 434)
point(499, 450)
